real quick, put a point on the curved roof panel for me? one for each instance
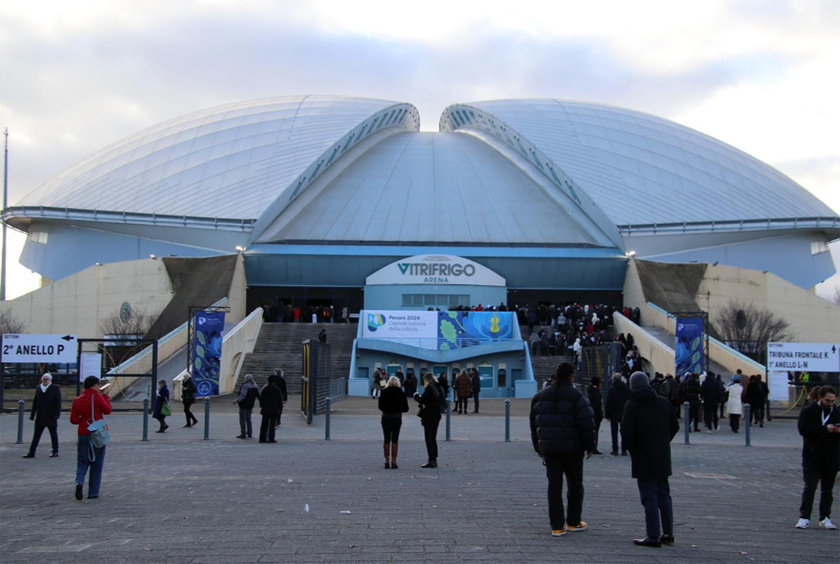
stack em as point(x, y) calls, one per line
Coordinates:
point(436, 188)
point(638, 168)
point(231, 161)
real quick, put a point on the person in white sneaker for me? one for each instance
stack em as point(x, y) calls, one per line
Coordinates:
point(819, 425)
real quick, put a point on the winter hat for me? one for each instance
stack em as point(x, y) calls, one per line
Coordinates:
point(639, 380)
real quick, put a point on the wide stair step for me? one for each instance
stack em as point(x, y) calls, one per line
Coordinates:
point(280, 346)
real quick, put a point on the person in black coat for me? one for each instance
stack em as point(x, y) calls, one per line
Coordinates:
point(430, 403)
point(188, 398)
point(647, 427)
point(271, 402)
point(161, 399)
point(475, 388)
point(280, 382)
point(616, 398)
point(410, 385)
point(754, 396)
point(711, 390)
point(46, 409)
point(392, 404)
point(562, 430)
point(593, 393)
point(819, 425)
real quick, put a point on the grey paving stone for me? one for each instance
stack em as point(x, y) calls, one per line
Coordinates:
point(178, 498)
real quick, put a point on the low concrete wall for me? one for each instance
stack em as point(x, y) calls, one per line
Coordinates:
point(660, 356)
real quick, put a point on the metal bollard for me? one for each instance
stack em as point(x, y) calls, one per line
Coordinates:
point(21, 403)
point(207, 419)
point(448, 418)
point(146, 419)
point(327, 423)
point(747, 424)
point(507, 420)
point(687, 419)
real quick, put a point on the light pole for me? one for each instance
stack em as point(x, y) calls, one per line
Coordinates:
point(5, 204)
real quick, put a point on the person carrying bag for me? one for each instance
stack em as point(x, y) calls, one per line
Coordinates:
point(87, 413)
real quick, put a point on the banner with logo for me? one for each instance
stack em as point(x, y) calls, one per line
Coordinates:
point(457, 329)
point(207, 351)
point(440, 330)
point(689, 345)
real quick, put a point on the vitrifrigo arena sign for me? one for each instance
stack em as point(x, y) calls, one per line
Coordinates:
point(435, 269)
point(810, 357)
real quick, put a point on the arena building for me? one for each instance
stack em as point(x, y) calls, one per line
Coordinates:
point(344, 202)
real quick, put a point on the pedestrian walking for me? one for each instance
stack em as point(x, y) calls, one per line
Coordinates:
point(647, 427)
point(819, 425)
point(91, 406)
point(188, 391)
point(162, 409)
point(462, 385)
point(280, 382)
point(562, 430)
point(46, 409)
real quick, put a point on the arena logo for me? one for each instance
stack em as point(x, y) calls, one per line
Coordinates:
point(435, 269)
point(436, 272)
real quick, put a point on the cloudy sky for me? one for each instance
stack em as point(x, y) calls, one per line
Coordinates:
point(761, 75)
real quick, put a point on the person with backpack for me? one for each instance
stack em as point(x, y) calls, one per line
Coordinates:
point(432, 404)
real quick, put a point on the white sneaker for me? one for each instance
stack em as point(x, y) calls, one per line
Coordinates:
point(803, 524)
point(827, 524)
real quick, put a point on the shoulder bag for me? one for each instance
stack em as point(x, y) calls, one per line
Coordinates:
point(99, 435)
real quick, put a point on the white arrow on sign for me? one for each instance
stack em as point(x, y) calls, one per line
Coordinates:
point(59, 349)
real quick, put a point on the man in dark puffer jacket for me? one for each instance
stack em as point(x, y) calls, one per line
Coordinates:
point(562, 429)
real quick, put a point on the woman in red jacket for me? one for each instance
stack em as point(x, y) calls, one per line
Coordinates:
point(92, 399)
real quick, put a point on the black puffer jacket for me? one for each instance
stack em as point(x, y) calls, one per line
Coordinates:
point(562, 421)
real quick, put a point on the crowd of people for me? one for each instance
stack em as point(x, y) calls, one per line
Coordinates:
point(643, 413)
point(313, 313)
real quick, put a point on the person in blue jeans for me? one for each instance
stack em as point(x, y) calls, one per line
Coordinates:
point(647, 428)
point(88, 407)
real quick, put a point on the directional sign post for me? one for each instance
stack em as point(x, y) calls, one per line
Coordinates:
point(809, 357)
point(58, 349)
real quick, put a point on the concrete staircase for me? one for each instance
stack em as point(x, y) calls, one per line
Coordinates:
point(279, 345)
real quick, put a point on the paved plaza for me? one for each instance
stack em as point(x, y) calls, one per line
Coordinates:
point(178, 498)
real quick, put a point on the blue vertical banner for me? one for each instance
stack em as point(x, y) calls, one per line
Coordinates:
point(689, 345)
point(207, 351)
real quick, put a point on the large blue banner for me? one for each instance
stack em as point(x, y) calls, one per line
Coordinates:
point(457, 329)
point(207, 352)
point(689, 345)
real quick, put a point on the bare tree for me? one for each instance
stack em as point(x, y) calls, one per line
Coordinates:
point(9, 324)
point(748, 328)
point(125, 328)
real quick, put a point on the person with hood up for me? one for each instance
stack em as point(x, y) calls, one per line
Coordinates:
point(647, 428)
point(733, 404)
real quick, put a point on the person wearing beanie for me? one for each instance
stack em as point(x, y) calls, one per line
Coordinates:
point(562, 430)
point(647, 428)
